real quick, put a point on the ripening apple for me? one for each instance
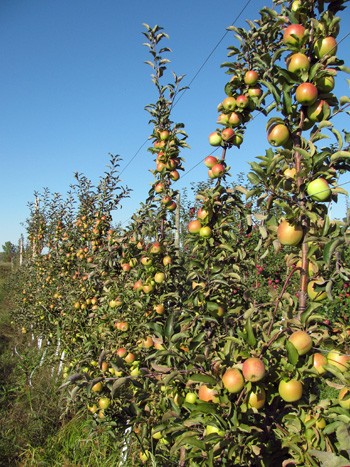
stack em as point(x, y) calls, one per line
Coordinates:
point(223, 119)
point(301, 341)
point(289, 234)
point(233, 380)
point(104, 403)
point(254, 92)
point(341, 361)
point(229, 104)
point(278, 134)
point(207, 394)
point(210, 161)
point(290, 391)
point(251, 77)
point(126, 267)
point(203, 214)
point(235, 119)
point(130, 357)
point(293, 34)
point(227, 134)
point(121, 352)
point(318, 360)
point(155, 248)
point(159, 309)
point(253, 369)
point(123, 326)
point(159, 277)
point(312, 294)
point(205, 232)
point(218, 170)
point(319, 190)
point(344, 398)
point(325, 83)
point(148, 288)
point(306, 94)
point(194, 226)
point(242, 101)
point(164, 135)
point(325, 46)
point(160, 166)
point(290, 173)
point(318, 111)
point(174, 175)
point(146, 260)
point(237, 140)
point(97, 387)
point(171, 206)
point(159, 188)
point(257, 398)
point(215, 139)
point(167, 260)
point(191, 397)
point(297, 63)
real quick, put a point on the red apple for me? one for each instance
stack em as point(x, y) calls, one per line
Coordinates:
point(293, 34)
point(253, 369)
point(242, 101)
point(203, 214)
point(318, 360)
point(174, 175)
point(159, 309)
point(218, 170)
point(210, 161)
point(227, 134)
point(159, 188)
point(121, 352)
point(194, 226)
point(278, 134)
point(155, 248)
point(233, 380)
point(171, 206)
point(223, 119)
point(254, 92)
point(306, 94)
point(164, 135)
point(207, 394)
point(289, 234)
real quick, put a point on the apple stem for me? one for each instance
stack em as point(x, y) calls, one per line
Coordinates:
point(223, 153)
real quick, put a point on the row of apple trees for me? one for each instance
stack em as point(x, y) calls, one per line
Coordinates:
point(205, 357)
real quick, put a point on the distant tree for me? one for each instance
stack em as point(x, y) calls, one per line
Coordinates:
point(8, 252)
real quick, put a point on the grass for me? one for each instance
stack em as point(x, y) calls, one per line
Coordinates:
point(35, 429)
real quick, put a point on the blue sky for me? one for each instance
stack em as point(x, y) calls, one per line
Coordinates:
point(74, 87)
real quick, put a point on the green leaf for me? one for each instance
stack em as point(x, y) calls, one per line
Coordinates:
point(118, 383)
point(189, 438)
point(330, 249)
point(340, 155)
point(292, 353)
point(201, 378)
point(169, 327)
point(253, 178)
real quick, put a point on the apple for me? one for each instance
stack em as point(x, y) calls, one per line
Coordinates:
point(312, 294)
point(242, 101)
point(223, 119)
point(326, 83)
point(229, 104)
point(104, 366)
point(157, 434)
point(251, 77)
point(311, 270)
point(290, 391)
point(159, 309)
point(318, 111)
point(257, 398)
point(254, 92)
point(159, 188)
point(320, 422)
point(301, 341)
point(155, 248)
point(218, 170)
point(160, 166)
point(205, 232)
point(227, 134)
point(215, 139)
point(130, 357)
point(167, 260)
point(289, 234)
point(318, 360)
point(207, 394)
point(210, 161)
point(166, 200)
point(253, 369)
point(235, 119)
point(194, 226)
point(203, 214)
point(297, 63)
point(146, 261)
point(97, 387)
point(171, 206)
point(191, 397)
point(290, 173)
point(306, 94)
point(237, 140)
point(123, 326)
point(233, 380)
point(342, 362)
point(293, 34)
point(325, 46)
point(159, 277)
point(121, 352)
point(345, 392)
point(104, 403)
point(148, 288)
point(319, 190)
point(126, 267)
point(164, 135)
point(278, 134)
point(174, 175)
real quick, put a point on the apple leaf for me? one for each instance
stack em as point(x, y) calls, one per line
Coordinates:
point(189, 438)
point(201, 378)
point(292, 353)
point(340, 155)
point(330, 249)
point(329, 459)
point(118, 383)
